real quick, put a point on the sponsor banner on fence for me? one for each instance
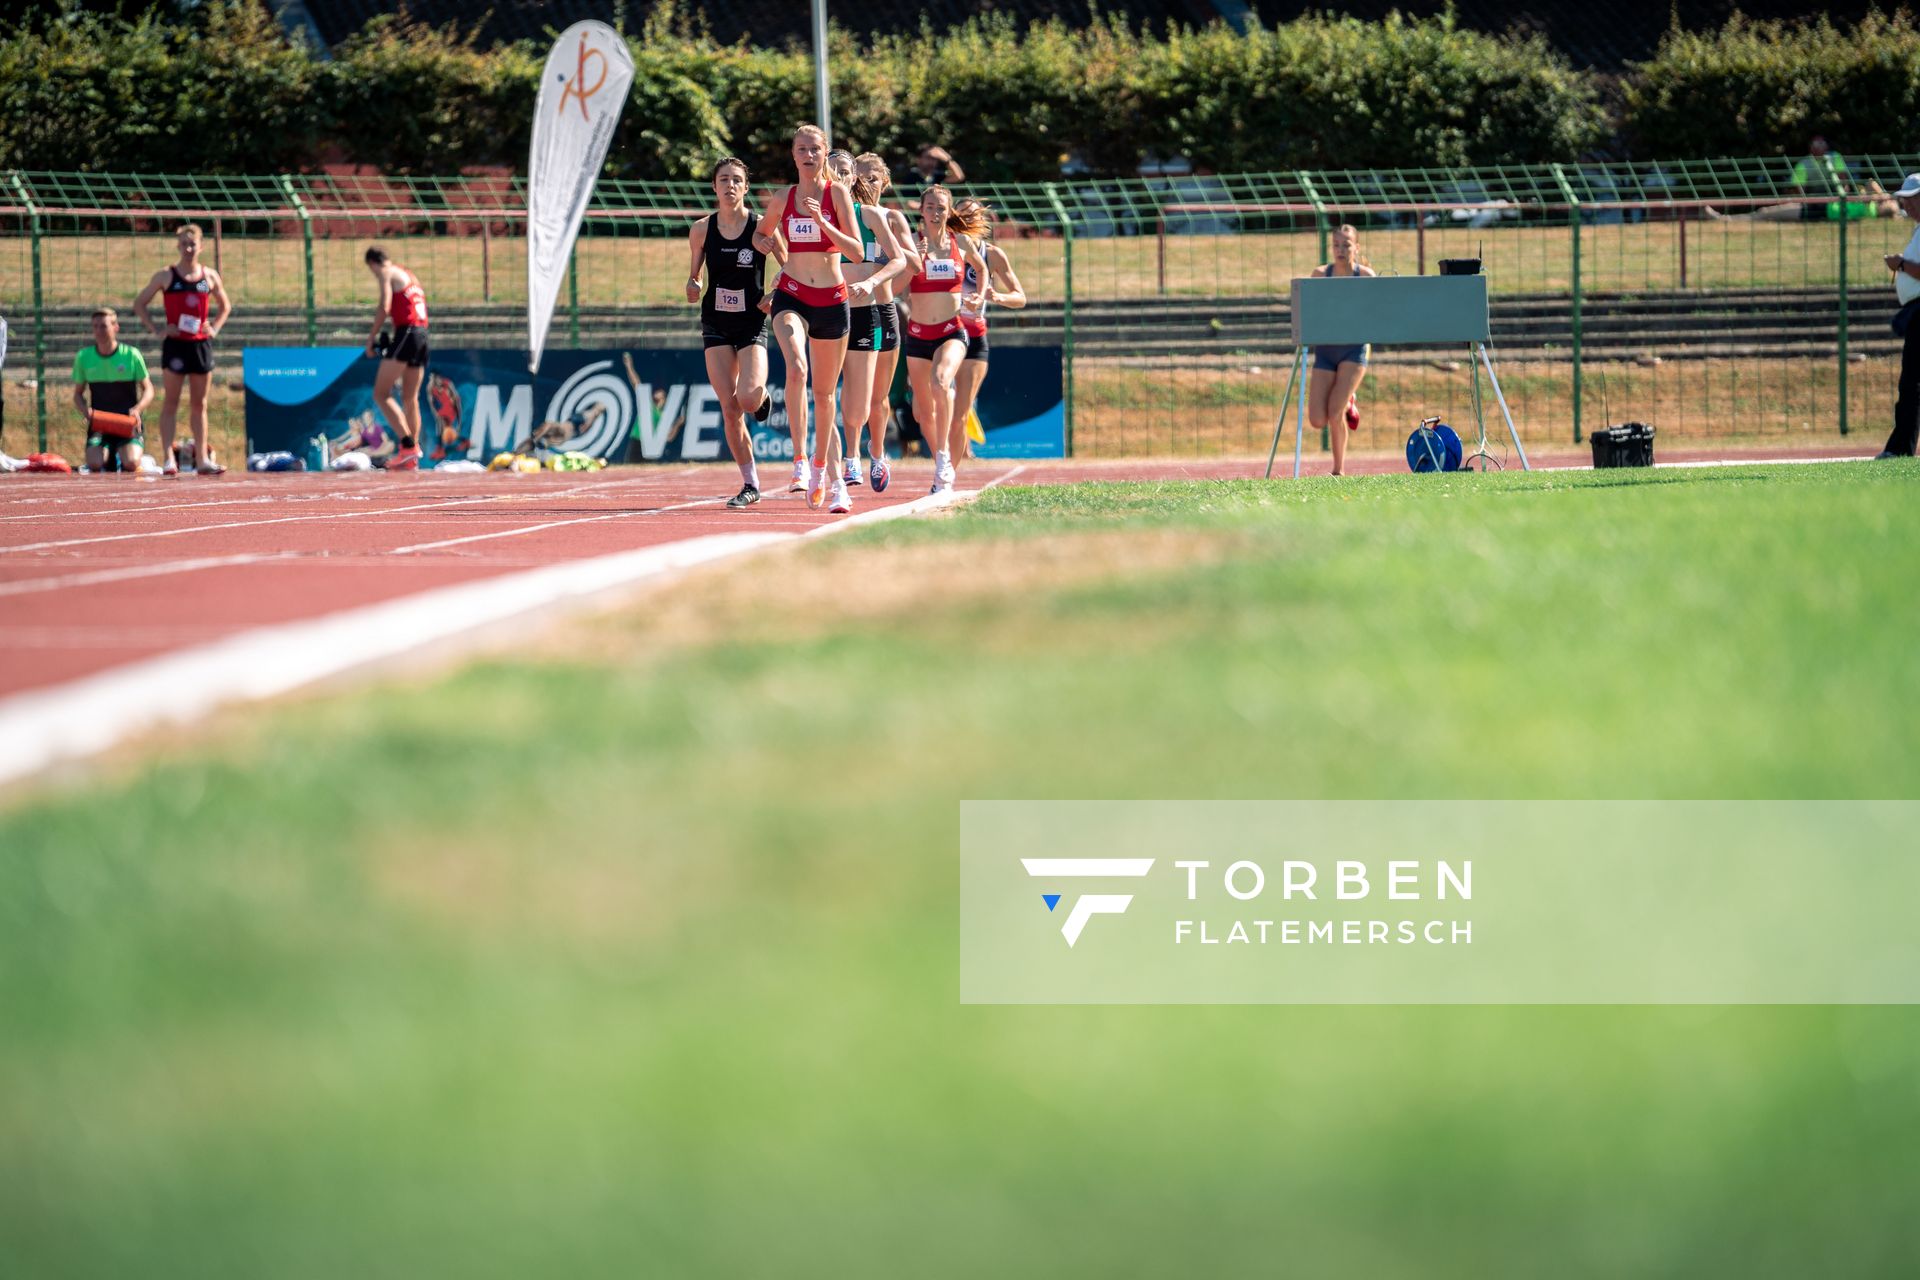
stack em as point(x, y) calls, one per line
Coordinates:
point(1439, 902)
point(641, 405)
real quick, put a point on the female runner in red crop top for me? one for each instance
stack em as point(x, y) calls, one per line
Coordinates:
point(875, 334)
point(1004, 289)
point(810, 227)
point(936, 344)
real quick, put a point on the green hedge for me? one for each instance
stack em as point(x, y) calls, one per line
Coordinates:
point(1764, 88)
point(1330, 93)
point(226, 92)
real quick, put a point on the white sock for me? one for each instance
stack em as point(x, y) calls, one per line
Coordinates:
point(750, 474)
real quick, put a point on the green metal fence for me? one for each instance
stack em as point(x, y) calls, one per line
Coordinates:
point(1710, 298)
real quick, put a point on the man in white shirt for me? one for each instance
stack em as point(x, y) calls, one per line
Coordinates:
point(1905, 266)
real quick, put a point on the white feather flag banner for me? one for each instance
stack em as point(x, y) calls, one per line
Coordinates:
point(582, 90)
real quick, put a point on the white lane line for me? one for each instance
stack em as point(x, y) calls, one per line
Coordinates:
point(551, 524)
point(65, 514)
point(39, 728)
point(439, 505)
point(116, 638)
point(94, 578)
point(213, 528)
point(926, 502)
point(348, 488)
point(42, 727)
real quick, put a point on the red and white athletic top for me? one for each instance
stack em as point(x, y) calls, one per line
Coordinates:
point(186, 302)
point(937, 275)
point(409, 310)
point(803, 233)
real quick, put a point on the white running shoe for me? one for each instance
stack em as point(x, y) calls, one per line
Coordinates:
point(852, 475)
point(800, 477)
point(943, 468)
point(941, 486)
point(817, 490)
point(841, 503)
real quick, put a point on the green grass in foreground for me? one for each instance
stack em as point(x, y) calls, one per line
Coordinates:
point(646, 964)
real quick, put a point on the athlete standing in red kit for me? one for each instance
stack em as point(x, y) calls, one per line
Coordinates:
point(403, 301)
point(196, 310)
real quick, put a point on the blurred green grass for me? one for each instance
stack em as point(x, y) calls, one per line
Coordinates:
point(633, 956)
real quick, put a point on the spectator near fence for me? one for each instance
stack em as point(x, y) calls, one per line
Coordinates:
point(1905, 266)
point(111, 390)
point(1821, 172)
point(933, 167)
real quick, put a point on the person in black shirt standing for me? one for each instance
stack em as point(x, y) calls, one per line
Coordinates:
point(732, 326)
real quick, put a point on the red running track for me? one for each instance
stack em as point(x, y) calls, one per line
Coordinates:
point(99, 571)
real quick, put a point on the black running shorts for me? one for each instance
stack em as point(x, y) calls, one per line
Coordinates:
point(186, 355)
point(823, 322)
point(409, 346)
point(738, 334)
point(876, 327)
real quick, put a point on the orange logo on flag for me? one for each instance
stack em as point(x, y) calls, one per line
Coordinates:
point(579, 88)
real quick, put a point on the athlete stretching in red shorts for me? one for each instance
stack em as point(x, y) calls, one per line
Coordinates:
point(405, 302)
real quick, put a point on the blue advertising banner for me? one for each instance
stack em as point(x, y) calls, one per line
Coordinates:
point(646, 405)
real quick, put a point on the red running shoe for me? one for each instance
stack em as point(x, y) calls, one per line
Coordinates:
point(1353, 415)
point(405, 460)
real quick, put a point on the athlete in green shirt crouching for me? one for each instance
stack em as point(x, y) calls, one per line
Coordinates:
point(110, 378)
